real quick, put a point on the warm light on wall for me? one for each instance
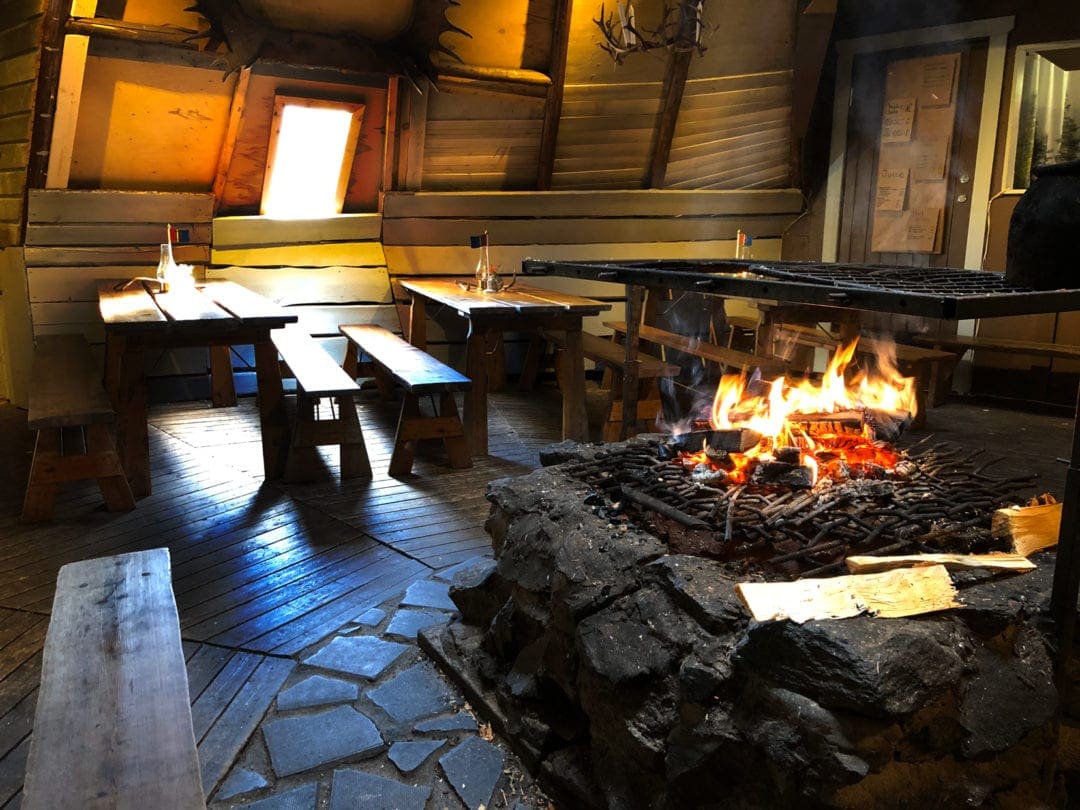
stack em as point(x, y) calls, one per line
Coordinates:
point(312, 143)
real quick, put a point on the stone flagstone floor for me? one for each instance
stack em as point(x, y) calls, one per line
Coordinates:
point(365, 720)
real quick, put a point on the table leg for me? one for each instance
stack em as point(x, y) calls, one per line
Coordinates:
point(273, 421)
point(132, 441)
point(222, 385)
point(575, 422)
point(475, 415)
point(418, 322)
point(114, 355)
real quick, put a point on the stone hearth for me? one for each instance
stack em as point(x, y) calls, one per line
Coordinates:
point(631, 677)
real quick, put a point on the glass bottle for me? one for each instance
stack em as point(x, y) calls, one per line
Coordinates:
point(166, 266)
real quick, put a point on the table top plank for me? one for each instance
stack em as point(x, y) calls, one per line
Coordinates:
point(130, 308)
point(251, 308)
point(518, 298)
point(190, 305)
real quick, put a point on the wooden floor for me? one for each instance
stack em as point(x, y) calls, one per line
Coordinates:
point(262, 572)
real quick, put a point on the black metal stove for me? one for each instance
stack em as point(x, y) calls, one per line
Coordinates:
point(945, 293)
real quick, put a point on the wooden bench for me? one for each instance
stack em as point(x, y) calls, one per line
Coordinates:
point(112, 728)
point(961, 343)
point(70, 411)
point(605, 352)
point(419, 374)
point(727, 358)
point(318, 376)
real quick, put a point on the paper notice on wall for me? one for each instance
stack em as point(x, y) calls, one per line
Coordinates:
point(891, 189)
point(931, 157)
point(921, 231)
point(938, 78)
point(898, 120)
point(911, 231)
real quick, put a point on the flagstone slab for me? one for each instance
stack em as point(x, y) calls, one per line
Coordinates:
point(300, 743)
point(448, 574)
point(409, 755)
point(430, 594)
point(473, 767)
point(365, 656)
point(299, 798)
point(414, 693)
point(356, 789)
point(240, 781)
point(407, 623)
point(317, 691)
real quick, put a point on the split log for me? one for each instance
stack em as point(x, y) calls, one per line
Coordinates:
point(1029, 528)
point(892, 594)
point(865, 564)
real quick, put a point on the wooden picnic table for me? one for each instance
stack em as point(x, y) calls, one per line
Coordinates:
point(216, 314)
point(522, 308)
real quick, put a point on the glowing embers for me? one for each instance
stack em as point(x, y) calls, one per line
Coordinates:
point(794, 433)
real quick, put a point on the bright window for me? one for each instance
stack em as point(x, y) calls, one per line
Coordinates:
point(1045, 114)
point(312, 143)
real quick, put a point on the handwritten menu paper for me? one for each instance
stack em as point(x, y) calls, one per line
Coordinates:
point(938, 75)
point(931, 156)
point(898, 120)
point(891, 189)
point(921, 231)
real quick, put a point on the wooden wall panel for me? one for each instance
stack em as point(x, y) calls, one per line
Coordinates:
point(20, 37)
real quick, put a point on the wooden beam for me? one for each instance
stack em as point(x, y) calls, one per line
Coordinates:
point(66, 117)
point(52, 45)
point(678, 68)
point(137, 32)
point(814, 30)
point(228, 146)
point(414, 132)
point(390, 139)
point(549, 135)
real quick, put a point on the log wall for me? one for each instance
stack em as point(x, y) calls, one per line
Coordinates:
point(20, 37)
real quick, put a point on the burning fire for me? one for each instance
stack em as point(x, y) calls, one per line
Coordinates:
point(794, 416)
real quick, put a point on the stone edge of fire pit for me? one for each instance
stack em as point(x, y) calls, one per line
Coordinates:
point(969, 665)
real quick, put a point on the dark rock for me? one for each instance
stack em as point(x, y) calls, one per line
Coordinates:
point(448, 574)
point(309, 741)
point(1011, 694)
point(562, 452)
point(473, 767)
point(701, 588)
point(351, 789)
point(415, 692)
point(479, 592)
point(409, 755)
point(871, 666)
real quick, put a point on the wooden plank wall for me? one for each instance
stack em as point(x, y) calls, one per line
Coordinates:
point(428, 234)
point(481, 140)
point(329, 272)
point(605, 135)
point(733, 132)
point(20, 37)
point(74, 238)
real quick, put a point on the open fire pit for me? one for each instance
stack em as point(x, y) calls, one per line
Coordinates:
point(608, 642)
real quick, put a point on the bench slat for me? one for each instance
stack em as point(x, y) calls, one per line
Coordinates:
point(65, 388)
point(415, 369)
point(701, 348)
point(315, 370)
point(1007, 345)
point(608, 352)
point(113, 721)
point(809, 336)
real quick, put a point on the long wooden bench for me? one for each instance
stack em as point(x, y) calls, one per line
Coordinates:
point(318, 376)
point(724, 356)
point(394, 360)
point(961, 343)
point(611, 356)
point(70, 411)
point(112, 727)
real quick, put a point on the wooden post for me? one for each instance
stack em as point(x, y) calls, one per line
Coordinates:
point(560, 46)
point(678, 68)
point(635, 300)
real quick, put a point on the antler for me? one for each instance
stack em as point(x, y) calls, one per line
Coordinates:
point(680, 30)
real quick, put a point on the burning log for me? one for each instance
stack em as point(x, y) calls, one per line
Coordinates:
point(997, 562)
point(782, 473)
point(1028, 528)
point(904, 592)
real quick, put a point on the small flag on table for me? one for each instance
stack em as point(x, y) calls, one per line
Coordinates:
point(179, 235)
point(479, 241)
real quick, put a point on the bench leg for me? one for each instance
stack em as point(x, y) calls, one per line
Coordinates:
point(401, 460)
point(354, 456)
point(51, 467)
point(303, 462)
point(412, 427)
point(457, 449)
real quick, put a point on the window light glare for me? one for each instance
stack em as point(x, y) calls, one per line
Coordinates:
point(307, 166)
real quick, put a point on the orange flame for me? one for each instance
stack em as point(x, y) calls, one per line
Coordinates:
point(775, 414)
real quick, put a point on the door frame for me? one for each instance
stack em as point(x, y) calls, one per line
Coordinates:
point(996, 30)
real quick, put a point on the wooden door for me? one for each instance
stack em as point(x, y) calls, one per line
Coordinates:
point(861, 194)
